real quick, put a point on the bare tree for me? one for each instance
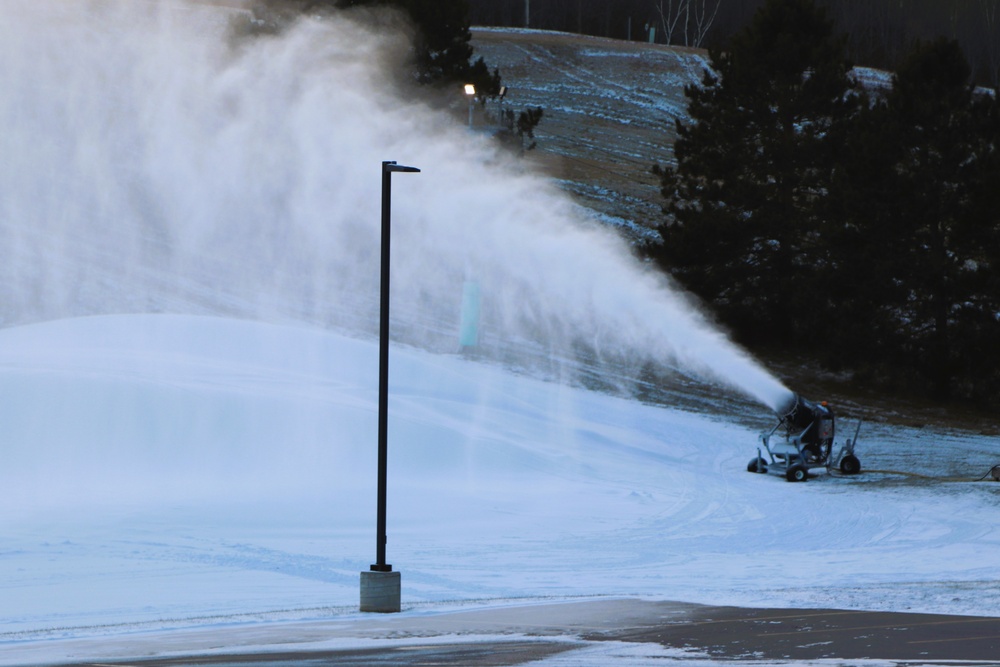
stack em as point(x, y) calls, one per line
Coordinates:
point(704, 15)
point(670, 12)
point(690, 20)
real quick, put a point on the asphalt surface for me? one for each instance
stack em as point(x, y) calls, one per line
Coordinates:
point(542, 630)
point(796, 634)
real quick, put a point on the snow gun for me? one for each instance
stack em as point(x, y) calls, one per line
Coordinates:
point(803, 439)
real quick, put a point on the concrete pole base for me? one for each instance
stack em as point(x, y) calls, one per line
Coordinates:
point(380, 591)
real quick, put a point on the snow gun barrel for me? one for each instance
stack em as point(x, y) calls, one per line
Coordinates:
point(800, 412)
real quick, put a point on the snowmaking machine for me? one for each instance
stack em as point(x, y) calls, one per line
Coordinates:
point(803, 439)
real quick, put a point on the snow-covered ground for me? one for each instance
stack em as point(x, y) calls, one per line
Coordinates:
point(167, 472)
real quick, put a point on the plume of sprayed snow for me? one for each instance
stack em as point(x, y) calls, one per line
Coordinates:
point(151, 166)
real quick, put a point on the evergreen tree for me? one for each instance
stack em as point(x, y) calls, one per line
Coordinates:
point(919, 192)
point(742, 228)
point(443, 49)
point(862, 235)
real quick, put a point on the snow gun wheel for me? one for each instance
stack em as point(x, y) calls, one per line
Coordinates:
point(797, 473)
point(850, 465)
point(757, 465)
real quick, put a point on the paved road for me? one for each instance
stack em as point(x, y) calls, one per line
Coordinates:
point(725, 633)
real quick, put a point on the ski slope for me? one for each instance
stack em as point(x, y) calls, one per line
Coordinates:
point(165, 472)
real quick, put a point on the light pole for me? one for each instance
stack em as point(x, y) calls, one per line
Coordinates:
point(470, 92)
point(500, 97)
point(380, 586)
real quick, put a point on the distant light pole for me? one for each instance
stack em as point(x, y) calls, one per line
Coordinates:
point(380, 586)
point(501, 96)
point(470, 92)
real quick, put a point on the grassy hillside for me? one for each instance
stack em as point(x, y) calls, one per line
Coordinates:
point(609, 107)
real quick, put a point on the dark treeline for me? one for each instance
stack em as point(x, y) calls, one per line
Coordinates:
point(861, 231)
point(880, 32)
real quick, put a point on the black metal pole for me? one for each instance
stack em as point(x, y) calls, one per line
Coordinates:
point(383, 364)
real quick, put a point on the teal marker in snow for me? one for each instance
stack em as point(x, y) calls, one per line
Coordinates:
point(468, 334)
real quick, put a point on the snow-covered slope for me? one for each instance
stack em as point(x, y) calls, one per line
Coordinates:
point(173, 471)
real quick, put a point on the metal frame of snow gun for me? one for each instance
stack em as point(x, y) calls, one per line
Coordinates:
point(807, 442)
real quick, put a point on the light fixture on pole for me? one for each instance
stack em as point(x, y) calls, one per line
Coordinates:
point(380, 586)
point(470, 92)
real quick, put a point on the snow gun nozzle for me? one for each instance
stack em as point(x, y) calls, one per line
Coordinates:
point(788, 407)
point(800, 412)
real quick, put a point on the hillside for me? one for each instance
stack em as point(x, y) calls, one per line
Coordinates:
point(609, 107)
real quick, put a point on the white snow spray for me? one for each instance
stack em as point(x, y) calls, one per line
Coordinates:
point(149, 164)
